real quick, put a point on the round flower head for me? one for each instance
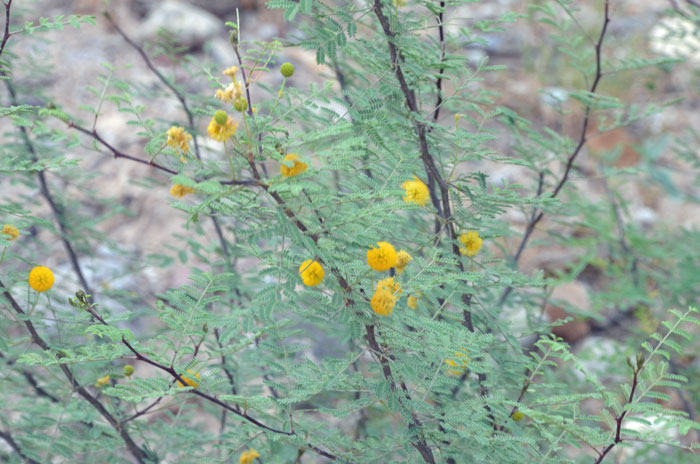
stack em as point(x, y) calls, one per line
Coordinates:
point(41, 278)
point(10, 230)
point(240, 105)
point(402, 260)
point(128, 370)
point(383, 302)
point(179, 190)
point(102, 381)
point(518, 416)
point(297, 168)
point(287, 69)
point(399, 3)
point(221, 127)
point(178, 138)
point(231, 93)
point(415, 192)
point(471, 243)
point(389, 285)
point(311, 272)
point(231, 72)
point(382, 258)
point(412, 302)
point(189, 380)
point(247, 457)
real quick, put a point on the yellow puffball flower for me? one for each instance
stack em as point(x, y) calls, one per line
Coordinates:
point(412, 302)
point(415, 192)
point(402, 260)
point(179, 190)
point(471, 243)
point(231, 72)
point(10, 230)
point(247, 457)
point(189, 380)
point(311, 272)
point(389, 285)
point(382, 258)
point(221, 127)
point(383, 302)
point(518, 416)
point(459, 364)
point(178, 138)
point(41, 278)
point(102, 381)
point(297, 167)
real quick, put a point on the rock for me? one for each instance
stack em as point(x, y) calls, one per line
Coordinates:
point(573, 294)
point(676, 38)
point(189, 25)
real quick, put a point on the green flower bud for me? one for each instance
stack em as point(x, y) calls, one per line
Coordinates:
point(287, 69)
point(221, 117)
point(518, 416)
point(240, 105)
point(128, 370)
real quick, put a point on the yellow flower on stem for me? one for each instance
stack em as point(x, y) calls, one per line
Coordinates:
point(41, 278)
point(231, 93)
point(297, 166)
point(383, 302)
point(189, 380)
point(382, 258)
point(102, 381)
point(471, 243)
point(459, 364)
point(415, 192)
point(10, 230)
point(389, 285)
point(247, 457)
point(399, 3)
point(178, 138)
point(231, 72)
point(311, 272)
point(179, 190)
point(221, 127)
point(402, 260)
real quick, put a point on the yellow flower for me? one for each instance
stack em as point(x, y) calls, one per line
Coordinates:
point(247, 457)
point(231, 93)
point(383, 302)
point(102, 381)
point(41, 278)
point(399, 3)
point(402, 260)
point(178, 138)
point(416, 192)
point(221, 127)
point(297, 168)
point(413, 301)
point(389, 285)
point(311, 272)
point(472, 243)
point(10, 230)
point(459, 364)
point(189, 380)
point(179, 190)
point(518, 416)
point(382, 258)
point(231, 72)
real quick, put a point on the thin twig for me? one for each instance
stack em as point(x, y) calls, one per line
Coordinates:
point(14, 445)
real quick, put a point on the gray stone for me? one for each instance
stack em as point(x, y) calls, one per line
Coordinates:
point(190, 26)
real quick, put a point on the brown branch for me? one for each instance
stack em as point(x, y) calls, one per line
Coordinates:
point(538, 215)
point(6, 34)
point(438, 82)
point(138, 453)
point(14, 445)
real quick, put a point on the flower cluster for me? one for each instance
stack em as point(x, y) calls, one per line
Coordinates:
point(471, 243)
point(459, 364)
point(247, 457)
point(382, 258)
point(291, 165)
point(189, 380)
point(41, 278)
point(102, 381)
point(179, 190)
point(178, 138)
point(415, 192)
point(311, 272)
point(10, 230)
point(221, 127)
